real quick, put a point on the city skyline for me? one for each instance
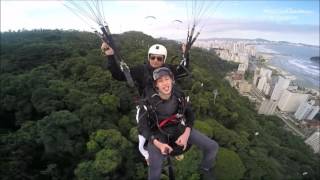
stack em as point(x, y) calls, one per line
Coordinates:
point(292, 21)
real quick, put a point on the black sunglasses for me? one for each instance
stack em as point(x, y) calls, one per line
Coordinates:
point(159, 58)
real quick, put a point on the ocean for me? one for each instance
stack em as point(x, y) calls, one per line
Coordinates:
point(296, 61)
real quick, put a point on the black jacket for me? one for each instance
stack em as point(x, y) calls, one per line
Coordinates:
point(148, 121)
point(141, 74)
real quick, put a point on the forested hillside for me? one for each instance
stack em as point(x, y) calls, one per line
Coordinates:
point(64, 117)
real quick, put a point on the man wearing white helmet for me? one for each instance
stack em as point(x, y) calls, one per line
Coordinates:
point(142, 74)
point(157, 55)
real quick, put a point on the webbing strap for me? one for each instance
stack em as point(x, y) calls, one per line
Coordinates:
point(123, 66)
point(126, 71)
point(167, 120)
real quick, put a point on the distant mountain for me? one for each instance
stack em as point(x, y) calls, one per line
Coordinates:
point(259, 40)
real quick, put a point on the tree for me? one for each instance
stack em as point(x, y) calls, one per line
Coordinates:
point(188, 168)
point(107, 160)
point(107, 139)
point(86, 171)
point(60, 132)
point(46, 100)
point(229, 165)
point(20, 153)
point(110, 149)
point(111, 102)
point(56, 95)
point(93, 117)
point(204, 128)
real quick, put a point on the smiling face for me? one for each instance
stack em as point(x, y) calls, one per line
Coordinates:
point(164, 85)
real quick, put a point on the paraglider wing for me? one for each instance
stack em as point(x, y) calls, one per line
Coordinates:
point(150, 20)
point(152, 17)
point(177, 21)
point(91, 11)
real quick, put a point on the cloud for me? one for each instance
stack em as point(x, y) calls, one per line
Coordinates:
point(261, 29)
point(129, 15)
point(145, 8)
point(287, 11)
point(37, 14)
point(289, 15)
point(250, 29)
point(217, 25)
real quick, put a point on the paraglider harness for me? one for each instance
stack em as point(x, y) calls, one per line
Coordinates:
point(170, 128)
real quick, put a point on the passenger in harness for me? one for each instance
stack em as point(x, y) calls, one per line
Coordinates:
point(142, 74)
point(166, 121)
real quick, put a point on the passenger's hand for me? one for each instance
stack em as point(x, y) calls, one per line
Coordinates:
point(165, 149)
point(106, 49)
point(183, 139)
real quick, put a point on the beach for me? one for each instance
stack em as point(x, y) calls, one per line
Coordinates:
point(295, 60)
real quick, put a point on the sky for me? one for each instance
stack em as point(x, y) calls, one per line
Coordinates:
point(283, 20)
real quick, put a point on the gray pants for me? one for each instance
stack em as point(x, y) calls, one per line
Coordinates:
point(208, 147)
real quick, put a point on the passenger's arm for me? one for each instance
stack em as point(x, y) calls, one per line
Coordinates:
point(183, 138)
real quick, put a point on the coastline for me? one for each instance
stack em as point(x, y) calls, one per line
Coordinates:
point(290, 66)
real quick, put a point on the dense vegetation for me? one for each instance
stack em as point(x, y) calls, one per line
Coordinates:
point(64, 117)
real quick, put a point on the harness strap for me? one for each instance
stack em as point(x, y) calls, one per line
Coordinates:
point(123, 66)
point(167, 120)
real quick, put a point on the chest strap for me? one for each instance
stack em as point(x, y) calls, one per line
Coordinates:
point(172, 118)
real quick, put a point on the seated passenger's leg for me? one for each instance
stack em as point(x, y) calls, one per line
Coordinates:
point(155, 162)
point(208, 146)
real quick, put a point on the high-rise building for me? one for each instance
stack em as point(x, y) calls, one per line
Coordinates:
point(265, 73)
point(303, 110)
point(262, 82)
point(314, 112)
point(290, 101)
point(243, 58)
point(306, 110)
point(280, 86)
point(256, 77)
point(314, 141)
point(266, 88)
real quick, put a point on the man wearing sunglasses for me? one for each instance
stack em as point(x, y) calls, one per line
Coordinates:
point(142, 74)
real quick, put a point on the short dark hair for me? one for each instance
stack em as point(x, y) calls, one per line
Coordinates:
point(158, 73)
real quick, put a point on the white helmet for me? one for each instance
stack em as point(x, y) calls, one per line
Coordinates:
point(158, 49)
